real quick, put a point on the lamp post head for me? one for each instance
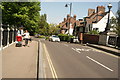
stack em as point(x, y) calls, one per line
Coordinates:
point(66, 5)
point(109, 6)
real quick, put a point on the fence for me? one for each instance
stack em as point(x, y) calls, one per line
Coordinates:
point(7, 37)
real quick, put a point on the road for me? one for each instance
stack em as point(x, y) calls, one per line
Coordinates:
point(68, 60)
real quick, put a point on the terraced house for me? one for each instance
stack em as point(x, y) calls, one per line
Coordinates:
point(70, 25)
point(97, 19)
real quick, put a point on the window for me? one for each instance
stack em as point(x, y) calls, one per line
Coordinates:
point(96, 29)
point(90, 27)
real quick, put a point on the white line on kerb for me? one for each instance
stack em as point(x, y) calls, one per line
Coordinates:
point(99, 63)
point(41, 71)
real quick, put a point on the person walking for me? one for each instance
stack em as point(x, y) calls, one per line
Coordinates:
point(20, 31)
point(26, 37)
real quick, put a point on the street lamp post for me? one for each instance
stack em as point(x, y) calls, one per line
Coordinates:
point(70, 12)
point(108, 21)
point(70, 7)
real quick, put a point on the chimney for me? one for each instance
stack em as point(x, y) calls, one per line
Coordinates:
point(64, 19)
point(100, 8)
point(68, 16)
point(91, 11)
point(74, 17)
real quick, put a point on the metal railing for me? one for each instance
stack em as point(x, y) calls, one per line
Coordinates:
point(7, 36)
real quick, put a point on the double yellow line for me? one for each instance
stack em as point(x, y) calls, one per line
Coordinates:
point(54, 74)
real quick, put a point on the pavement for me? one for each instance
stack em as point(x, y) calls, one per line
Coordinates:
point(20, 62)
point(108, 49)
point(0, 64)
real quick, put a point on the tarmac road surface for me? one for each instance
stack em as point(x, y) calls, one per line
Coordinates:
point(67, 60)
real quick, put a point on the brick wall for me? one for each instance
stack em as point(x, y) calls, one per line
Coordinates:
point(93, 39)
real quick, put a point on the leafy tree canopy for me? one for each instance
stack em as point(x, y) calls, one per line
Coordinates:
point(54, 29)
point(43, 25)
point(115, 23)
point(21, 13)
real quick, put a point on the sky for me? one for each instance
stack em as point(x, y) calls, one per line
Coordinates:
point(56, 11)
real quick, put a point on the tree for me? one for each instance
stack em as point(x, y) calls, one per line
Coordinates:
point(43, 25)
point(115, 24)
point(21, 13)
point(118, 19)
point(54, 29)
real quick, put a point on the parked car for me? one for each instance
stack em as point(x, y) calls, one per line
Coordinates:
point(54, 38)
point(74, 40)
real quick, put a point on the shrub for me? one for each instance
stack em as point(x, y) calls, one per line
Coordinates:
point(94, 32)
point(47, 37)
point(41, 36)
point(65, 37)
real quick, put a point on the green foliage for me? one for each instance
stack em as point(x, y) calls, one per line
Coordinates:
point(47, 37)
point(41, 36)
point(118, 19)
point(47, 29)
point(43, 25)
point(54, 29)
point(115, 24)
point(65, 37)
point(21, 13)
point(94, 32)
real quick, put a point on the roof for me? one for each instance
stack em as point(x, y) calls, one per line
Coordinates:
point(95, 17)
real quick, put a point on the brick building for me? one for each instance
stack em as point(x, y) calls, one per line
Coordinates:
point(70, 25)
point(97, 19)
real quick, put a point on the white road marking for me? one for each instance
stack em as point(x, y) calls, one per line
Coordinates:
point(54, 74)
point(66, 45)
point(73, 49)
point(76, 50)
point(83, 49)
point(42, 75)
point(99, 63)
